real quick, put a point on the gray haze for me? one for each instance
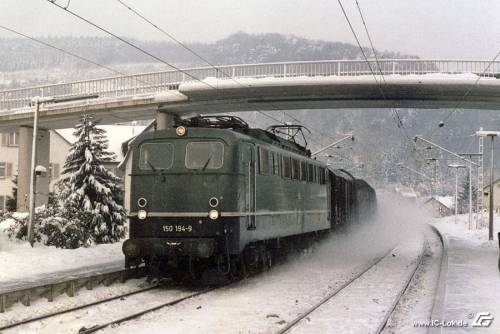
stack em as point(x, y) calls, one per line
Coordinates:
point(428, 28)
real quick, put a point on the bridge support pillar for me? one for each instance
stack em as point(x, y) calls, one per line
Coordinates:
point(24, 168)
point(164, 120)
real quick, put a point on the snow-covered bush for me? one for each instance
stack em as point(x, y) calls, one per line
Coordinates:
point(87, 209)
point(64, 233)
point(52, 226)
point(18, 229)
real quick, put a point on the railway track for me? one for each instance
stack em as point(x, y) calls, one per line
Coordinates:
point(73, 309)
point(97, 327)
point(437, 309)
point(332, 294)
point(135, 315)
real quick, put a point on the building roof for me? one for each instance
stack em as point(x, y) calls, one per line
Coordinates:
point(447, 201)
point(116, 134)
point(487, 187)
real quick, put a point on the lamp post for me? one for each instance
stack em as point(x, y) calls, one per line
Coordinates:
point(38, 101)
point(492, 135)
point(456, 167)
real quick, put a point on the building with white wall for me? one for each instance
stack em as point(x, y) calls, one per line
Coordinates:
point(496, 196)
point(9, 151)
point(60, 143)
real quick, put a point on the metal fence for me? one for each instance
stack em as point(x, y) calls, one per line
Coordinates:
point(133, 85)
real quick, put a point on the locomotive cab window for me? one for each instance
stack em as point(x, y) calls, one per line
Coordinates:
point(155, 156)
point(310, 173)
point(295, 169)
point(285, 164)
point(303, 171)
point(204, 155)
point(322, 176)
point(263, 161)
point(276, 164)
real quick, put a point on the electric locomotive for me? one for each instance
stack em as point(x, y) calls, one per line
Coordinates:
point(214, 195)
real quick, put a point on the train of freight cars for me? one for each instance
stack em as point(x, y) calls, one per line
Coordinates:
point(215, 196)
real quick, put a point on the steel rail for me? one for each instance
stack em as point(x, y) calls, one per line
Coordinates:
point(96, 328)
point(401, 292)
point(391, 309)
point(76, 308)
point(332, 294)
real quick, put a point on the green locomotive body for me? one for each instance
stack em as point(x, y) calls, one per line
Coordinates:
point(215, 198)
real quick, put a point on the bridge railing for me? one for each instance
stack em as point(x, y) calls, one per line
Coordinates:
point(147, 83)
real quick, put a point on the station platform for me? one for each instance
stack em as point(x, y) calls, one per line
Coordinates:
point(29, 281)
point(472, 287)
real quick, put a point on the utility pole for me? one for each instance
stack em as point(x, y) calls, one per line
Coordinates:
point(31, 196)
point(492, 135)
point(470, 162)
point(434, 183)
point(456, 167)
point(470, 155)
point(480, 183)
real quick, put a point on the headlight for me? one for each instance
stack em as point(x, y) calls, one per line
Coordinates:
point(142, 202)
point(181, 131)
point(213, 214)
point(142, 214)
point(213, 202)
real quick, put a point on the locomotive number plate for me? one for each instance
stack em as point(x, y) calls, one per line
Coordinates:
point(177, 228)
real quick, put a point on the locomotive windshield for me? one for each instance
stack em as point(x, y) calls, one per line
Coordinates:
point(155, 156)
point(204, 155)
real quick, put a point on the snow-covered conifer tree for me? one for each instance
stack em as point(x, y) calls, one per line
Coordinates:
point(90, 192)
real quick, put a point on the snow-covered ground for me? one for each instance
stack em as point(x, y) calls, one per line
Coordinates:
point(473, 280)
point(264, 303)
point(459, 228)
point(19, 261)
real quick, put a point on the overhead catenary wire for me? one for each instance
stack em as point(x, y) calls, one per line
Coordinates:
point(204, 59)
point(467, 93)
point(135, 46)
point(193, 52)
point(374, 51)
point(62, 50)
point(399, 122)
point(398, 119)
point(53, 2)
point(173, 38)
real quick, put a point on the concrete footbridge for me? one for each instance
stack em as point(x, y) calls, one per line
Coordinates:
point(397, 83)
point(390, 83)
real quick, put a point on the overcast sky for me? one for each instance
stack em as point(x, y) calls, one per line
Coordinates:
point(429, 28)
